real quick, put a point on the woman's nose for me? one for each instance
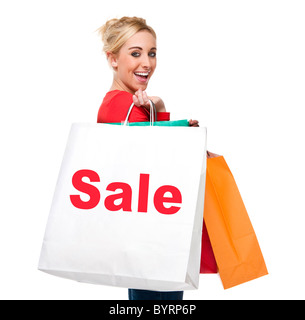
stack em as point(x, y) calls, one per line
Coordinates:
point(145, 62)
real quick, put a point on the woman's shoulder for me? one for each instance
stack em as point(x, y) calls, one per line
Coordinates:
point(115, 96)
point(114, 106)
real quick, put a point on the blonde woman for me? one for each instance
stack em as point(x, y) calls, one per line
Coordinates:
point(131, 50)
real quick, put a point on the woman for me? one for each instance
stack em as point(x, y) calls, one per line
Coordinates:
point(130, 47)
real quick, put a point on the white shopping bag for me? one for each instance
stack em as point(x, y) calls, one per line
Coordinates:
point(128, 207)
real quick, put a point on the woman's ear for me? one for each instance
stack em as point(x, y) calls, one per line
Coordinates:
point(112, 59)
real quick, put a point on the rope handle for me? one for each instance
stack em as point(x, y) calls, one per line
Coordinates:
point(152, 113)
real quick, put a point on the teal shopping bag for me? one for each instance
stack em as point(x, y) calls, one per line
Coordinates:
point(175, 123)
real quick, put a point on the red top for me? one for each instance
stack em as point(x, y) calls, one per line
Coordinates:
point(115, 106)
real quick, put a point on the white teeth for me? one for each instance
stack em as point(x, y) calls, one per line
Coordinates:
point(142, 74)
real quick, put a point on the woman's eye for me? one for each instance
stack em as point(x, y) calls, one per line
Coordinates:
point(135, 54)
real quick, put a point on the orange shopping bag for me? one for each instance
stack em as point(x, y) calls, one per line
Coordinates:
point(235, 246)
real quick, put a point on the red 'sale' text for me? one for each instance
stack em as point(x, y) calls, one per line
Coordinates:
point(125, 195)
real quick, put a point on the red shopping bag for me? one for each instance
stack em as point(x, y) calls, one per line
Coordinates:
point(208, 262)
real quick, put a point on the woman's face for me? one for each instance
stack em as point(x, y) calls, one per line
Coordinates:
point(136, 62)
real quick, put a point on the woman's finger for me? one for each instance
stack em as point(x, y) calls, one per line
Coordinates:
point(212, 155)
point(136, 101)
point(139, 95)
point(145, 98)
point(194, 123)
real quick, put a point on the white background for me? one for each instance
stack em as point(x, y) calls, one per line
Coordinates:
point(236, 66)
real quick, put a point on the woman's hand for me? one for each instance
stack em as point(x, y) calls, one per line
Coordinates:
point(194, 123)
point(212, 155)
point(140, 99)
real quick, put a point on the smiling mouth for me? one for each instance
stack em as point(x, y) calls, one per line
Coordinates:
point(142, 76)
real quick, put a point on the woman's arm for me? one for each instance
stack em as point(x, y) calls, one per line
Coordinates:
point(141, 99)
point(158, 102)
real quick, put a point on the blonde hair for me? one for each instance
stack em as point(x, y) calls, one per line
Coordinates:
point(116, 32)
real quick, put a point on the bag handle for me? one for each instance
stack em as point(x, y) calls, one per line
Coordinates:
point(152, 113)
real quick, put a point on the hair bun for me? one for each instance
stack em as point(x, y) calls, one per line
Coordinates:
point(115, 32)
